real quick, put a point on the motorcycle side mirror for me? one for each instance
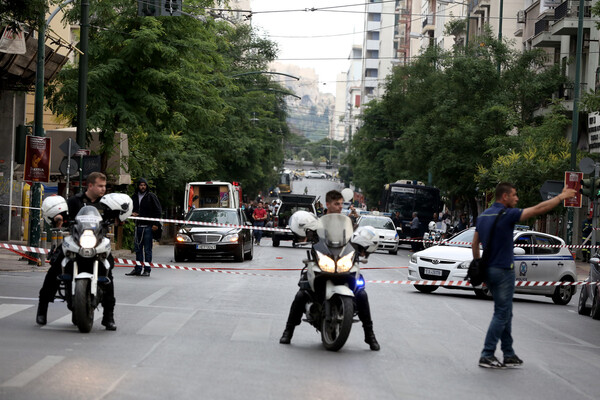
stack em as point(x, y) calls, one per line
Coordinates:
point(518, 251)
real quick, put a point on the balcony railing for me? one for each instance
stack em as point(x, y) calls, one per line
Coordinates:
point(570, 8)
point(428, 20)
point(541, 26)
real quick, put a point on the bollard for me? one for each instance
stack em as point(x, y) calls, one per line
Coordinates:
point(44, 239)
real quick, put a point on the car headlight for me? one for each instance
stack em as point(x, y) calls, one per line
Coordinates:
point(87, 239)
point(233, 238)
point(326, 263)
point(464, 265)
point(413, 259)
point(345, 263)
point(183, 238)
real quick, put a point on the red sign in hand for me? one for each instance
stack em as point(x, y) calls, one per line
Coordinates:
point(573, 181)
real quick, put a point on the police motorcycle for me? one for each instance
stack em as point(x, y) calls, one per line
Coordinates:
point(85, 266)
point(331, 274)
point(433, 236)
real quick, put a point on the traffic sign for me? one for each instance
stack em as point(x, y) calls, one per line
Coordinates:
point(69, 147)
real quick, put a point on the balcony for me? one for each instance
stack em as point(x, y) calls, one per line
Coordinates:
point(373, 25)
point(543, 37)
point(374, 8)
point(371, 82)
point(371, 63)
point(372, 44)
point(428, 24)
point(566, 16)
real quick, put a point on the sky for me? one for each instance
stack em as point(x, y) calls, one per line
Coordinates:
point(319, 39)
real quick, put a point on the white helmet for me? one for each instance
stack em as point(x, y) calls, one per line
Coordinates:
point(431, 225)
point(366, 237)
point(118, 202)
point(301, 221)
point(52, 206)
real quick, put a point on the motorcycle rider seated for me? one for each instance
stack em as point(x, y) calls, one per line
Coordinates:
point(334, 201)
point(96, 187)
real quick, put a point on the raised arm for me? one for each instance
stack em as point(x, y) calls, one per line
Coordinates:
point(545, 206)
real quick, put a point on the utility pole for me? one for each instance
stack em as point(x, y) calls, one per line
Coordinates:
point(83, 71)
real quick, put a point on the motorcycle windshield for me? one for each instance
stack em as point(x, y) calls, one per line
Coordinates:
point(336, 229)
point(88, 218)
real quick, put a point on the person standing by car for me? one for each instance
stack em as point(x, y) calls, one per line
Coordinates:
point(260, 217)
point(397, 219)
point(145, 204)
point(500, 278)
point(414, 231)
point(462, 223)
point(334, 202)
point(96, 188)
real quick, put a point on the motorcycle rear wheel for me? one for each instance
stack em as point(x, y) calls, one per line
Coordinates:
point(82, 306)
point(335, 332)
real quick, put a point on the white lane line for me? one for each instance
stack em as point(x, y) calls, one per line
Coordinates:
point(252, 330)
point(10, 309)
point(165, 324)
point(155, 296)
point(33, 372)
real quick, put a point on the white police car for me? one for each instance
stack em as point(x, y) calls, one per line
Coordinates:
point(450, 262)
point(388, 237)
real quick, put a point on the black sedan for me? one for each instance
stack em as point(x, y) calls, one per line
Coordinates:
point(212, 241)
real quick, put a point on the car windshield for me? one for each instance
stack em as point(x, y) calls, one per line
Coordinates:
point(379, 223)
point(214, 216)
point(463, 239)
point(336, 229)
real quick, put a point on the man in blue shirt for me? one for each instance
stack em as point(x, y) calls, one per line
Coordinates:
point(501, 273)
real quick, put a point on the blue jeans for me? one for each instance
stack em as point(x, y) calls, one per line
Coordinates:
point(143, 246)
point(501, 283)
point(258, 234)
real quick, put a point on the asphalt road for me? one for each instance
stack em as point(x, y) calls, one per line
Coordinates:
point(214, 335)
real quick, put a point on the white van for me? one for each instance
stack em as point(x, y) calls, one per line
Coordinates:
point(212, 194)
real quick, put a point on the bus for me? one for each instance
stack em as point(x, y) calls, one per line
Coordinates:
point(406, 197)
point(285, 181)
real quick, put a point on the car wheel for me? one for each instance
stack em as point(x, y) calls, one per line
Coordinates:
point(426, 288)
point(595, 311)
point(275, 242)
point(483, 293)
point(394, 252)
point(563, 294)
point(239, 253)
point(582, 309)
point(178, 256)
point(249, 255)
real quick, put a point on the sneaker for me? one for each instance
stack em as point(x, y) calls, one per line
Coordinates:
point(490, 362)
point(513, 361)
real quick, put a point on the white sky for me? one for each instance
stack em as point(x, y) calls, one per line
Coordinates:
point(290, 31)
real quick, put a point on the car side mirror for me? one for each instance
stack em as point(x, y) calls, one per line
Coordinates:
point(519, 251)
point(595, 260)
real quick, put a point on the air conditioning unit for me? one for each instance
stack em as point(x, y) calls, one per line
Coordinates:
point(521, 17)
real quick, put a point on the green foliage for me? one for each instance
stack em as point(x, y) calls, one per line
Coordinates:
point(448, 115)
point(180, 88)
point(128, 235)
point(30, 12)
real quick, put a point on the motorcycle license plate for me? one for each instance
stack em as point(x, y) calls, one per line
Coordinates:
point(206, 246)
point(435, 272)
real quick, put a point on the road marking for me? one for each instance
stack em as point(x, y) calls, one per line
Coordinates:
point(10, 309)
point(64, 323)
point(252, 330)
point(33, 372)
point(165, 324)
point(155, 296)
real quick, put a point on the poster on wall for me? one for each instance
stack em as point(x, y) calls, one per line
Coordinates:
point(37, 159)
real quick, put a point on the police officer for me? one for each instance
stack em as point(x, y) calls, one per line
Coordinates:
point(96, 187)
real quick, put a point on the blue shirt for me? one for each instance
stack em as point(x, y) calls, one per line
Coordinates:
point(501, 248)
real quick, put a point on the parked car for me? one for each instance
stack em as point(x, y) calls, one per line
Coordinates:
point(290, 203)
point(209, 241)
point(315, 175)
point(589, 298)
point(450, 261)
point(388, 237)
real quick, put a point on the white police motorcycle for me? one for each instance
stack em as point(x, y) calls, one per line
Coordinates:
point(331, 275)
point(85, 266)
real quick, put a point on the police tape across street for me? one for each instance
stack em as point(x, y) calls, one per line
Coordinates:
point(122, 262)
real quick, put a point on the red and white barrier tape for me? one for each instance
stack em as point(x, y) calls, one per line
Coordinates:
point(218, 225)
point(571, 246)
point(468, 284)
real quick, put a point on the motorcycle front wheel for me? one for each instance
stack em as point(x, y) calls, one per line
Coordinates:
point(82, 306)
point(335, 332)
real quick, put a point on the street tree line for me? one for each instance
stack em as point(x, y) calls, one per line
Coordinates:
point(189, 92)
point(466, 119)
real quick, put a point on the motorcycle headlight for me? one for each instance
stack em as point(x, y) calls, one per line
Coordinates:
point(345, 263)
point(183, 238)
point(464, 265)
point(87, 239)
point(326, 263)
point(233, 238)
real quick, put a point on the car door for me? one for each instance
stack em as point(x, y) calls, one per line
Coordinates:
point(526, 263)
point(244, 233)
point(551, 263)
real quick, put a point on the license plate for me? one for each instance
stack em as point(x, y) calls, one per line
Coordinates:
point(206, 246)
point(435, 272)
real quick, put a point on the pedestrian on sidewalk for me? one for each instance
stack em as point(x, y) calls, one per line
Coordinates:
point(500, 278)
point(145, 204)
point(260, 217)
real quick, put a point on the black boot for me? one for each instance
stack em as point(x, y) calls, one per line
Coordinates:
point(42, 311)
point(371, 340)
point(109, 322)
point(286, 337)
